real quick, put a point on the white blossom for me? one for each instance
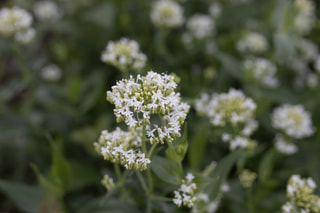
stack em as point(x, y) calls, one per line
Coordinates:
point(252, 42)
point(51, 72)
point(185, 195)
point(284, 146)
point(47, 10)
point(201, 26)
point(167, 14)
point(124, 55)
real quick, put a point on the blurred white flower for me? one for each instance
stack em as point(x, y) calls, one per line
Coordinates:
point(284, 146)
point(261, 70)
point(26, 36)
point(201, 26)
point(167, 14)
point(252, 42)
point(125, 55)
point(51, 72)
point(46, 10)
point(294, 120)
point(305, 17)
point(215, 10)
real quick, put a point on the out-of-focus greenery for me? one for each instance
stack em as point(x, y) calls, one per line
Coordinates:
point(47, 129)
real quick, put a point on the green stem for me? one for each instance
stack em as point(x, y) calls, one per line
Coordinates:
point(117, 170)
point(250, 202)
point(151, 150)
point(142, 181)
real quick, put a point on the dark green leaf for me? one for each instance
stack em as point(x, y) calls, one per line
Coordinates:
point(266, 165)
point(167, 170)
point(197, 148)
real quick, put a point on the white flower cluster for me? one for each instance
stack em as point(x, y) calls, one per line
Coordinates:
point(305, 16)
point(232, 109)
point(185, 195)
point(51, 72)
point(261, 70)
point(167, 14)
point(122, 147)
point(201, 26)
point(300, 192)
point(16, 22)
point(252, 42)
point(136, 101)
point(108, 182)
point(294, 120)
point(124, 55)
point(47, 10)
point(283, 146)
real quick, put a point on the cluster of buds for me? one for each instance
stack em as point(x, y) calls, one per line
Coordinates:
point(293, 120)
point(16, 23)
point(247, 178)
point(167, 14)
point(305, 16)
point(122, 147)
point(108, 182)
point(232, 110)
point(150, 101)
point(124, 55)
point(47, 11)
point(300, 193)
point(252, 42)
point(262, 71)
point(185, 195)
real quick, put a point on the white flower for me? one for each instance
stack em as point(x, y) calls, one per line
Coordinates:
point(252, 42)
point(287, 208)
point(238, 142)
point(215, 10)
point(261, 70)
point(283, 146)
point(46, 10)
point(305, 17)
point(16, 22)
point(185, 195)
point(136, 100)
point(124, 55)
point(26, 36)
point(293, 120)
point(167, 14)
point(201, 26)
point(51, 72)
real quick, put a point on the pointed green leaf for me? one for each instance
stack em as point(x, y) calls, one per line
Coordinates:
point(167, 170)
point(197, 148)
point(26, 198)
point(266, 165)
point(177, 151)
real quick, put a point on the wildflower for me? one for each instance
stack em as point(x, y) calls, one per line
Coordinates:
point(122, 147)
point(150, 96)
point(247, 178)
point(252, 42)
point(293, 120)
point(124, 55)
point(261, 70)
point(300, 193)
point(284, 146)
point(185, 195)
point(203, 204)
point(51, 72)
point(46, 10)
point(16, 22)
point(108, 182)
point(167, 14)
point(305, 16)
point(201, 26)
point(306, 49)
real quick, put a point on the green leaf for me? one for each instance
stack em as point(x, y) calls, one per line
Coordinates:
point(26, 198)
point(230, 65)
point(284, 46)
point(266, 165)
point(106, 206)
point(221, 172)
point(197, 148)
point(177, 151)
point(167, 170)
point(60, 171)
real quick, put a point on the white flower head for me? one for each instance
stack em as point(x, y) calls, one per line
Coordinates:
point(16, 22)
point(152, 96)
point(47, 10)
point(294, 120)
point(305, 17)
point(284, 146)
point(185, 195)
point(167, 14)
point(215, 10)
point(201, 26)
point(51, 72)
point(253, 42)
point(261, 70)
point(125, 55)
